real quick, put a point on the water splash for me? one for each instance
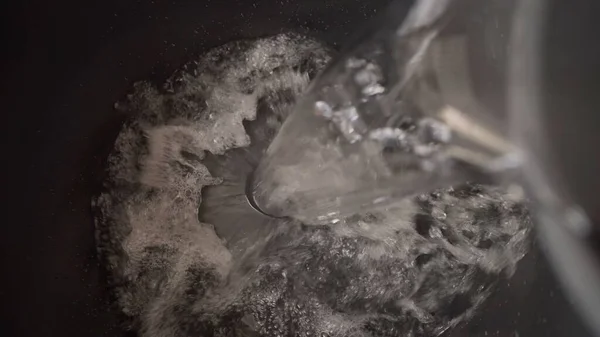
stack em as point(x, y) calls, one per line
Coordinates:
point(375, 128)
point(416, 269)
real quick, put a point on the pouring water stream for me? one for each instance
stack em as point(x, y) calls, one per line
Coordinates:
point(372, 130)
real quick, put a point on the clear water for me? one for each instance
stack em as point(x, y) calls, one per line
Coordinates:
point(375, 128)
point(415, 269)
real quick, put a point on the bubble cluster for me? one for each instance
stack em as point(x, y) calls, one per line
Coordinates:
point(415, 269)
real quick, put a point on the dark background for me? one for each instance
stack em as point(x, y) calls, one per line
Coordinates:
point(64, 64)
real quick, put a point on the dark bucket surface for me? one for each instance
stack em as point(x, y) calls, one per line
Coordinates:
point(70, 62)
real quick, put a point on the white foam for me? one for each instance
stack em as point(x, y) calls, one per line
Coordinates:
point(156, 174)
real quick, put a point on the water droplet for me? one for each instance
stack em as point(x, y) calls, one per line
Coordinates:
point(323, 109)
point(349, 124)
point(353, 63)
point(434, 131)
